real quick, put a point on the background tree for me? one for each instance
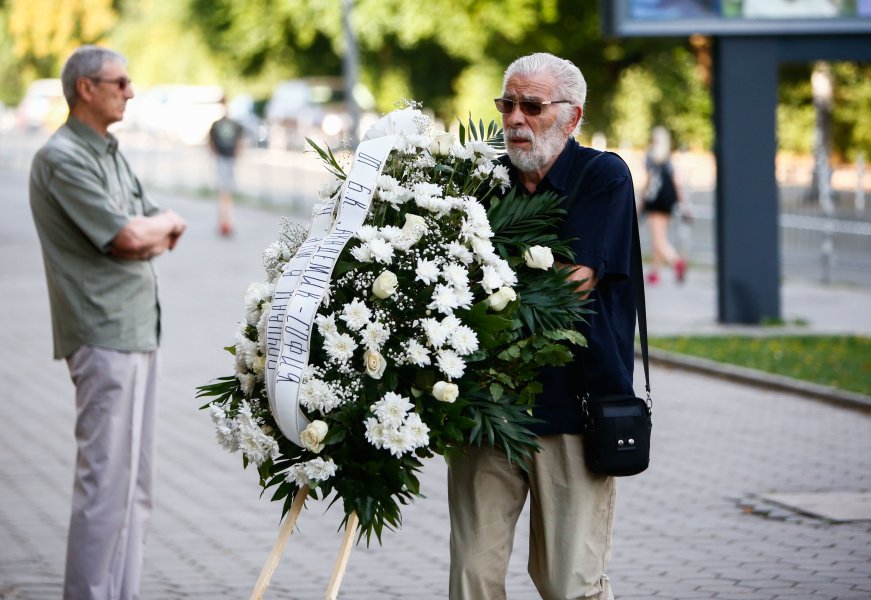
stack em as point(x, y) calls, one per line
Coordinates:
point(45, 32)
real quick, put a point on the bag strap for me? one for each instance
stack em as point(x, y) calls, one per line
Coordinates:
point(636, 272)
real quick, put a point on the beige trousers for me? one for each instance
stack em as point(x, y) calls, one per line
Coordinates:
point(571, 518)
point(115, 420)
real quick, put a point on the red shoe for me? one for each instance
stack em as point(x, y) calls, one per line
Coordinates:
point(680, 269)
point(652, 278)
point(226, 229)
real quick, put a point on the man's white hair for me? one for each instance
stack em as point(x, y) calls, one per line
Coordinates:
point(570, 82)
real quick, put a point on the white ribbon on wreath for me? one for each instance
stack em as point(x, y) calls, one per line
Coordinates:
point(305, 279)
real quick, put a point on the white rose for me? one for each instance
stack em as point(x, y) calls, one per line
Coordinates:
point(414, 227)
point(441, 144)
point(384, 285)
point(501, 297)
point(538, 257)
point(374, 363)
point(445, 392)
point(312, 437)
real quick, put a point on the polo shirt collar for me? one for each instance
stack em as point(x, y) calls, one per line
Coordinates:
point(560, 175)
point(101, 145)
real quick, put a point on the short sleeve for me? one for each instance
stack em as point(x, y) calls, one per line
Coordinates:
point(79, 193)
point(599, 220)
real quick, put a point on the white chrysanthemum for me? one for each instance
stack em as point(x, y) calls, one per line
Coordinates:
point(444, 299)
point(225, 429)
point(326, 324)
point(475, 212)
point(436, 333)
point(390, 232)
point(505, 271)
point(356, 314)
point(460, 252)
point(501, 177)
point(441, 206)
point(262, 324)
point(417, 354)
point(398, 442)
point(253, 442)
point(451, 322)
point(329, 189)
point(427, 271)
point(456, 275)
point(258, 365)
point(416, 430)
point(245, 349)
point(482, 148)
point(391, 409)
point(366, 233)
point(465, 297)
point(469, 230)
point(451, 364)
point(382, 250)
point(319, 469)
point(483, 170)
point(426, 190)
point(340, 347)
point(256, 293)
point(247, 381)
point(483, 249)
point(296, 474)
point(375, 432)
point(491, 280)
point(386, 183)
point(318, 395)
point(464, 340)
point(362, 253)
point(375, 335)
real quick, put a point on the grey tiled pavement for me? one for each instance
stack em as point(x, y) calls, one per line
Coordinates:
point(692, 527)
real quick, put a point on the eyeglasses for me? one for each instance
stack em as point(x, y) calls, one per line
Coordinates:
point(530, 108)
point(121, 82)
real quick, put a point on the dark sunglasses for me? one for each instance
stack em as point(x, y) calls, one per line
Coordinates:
point(121, 82)
point(527, 107)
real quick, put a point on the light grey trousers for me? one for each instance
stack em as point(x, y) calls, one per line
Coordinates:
point(112, 493)
point(571, 518)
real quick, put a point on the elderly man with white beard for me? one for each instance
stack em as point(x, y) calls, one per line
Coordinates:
point(571, 508)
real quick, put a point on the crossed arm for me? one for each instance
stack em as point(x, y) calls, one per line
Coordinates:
point(146, 237)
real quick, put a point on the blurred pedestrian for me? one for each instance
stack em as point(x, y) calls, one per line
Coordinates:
point(225, 140)
point(660, 195)
point(99, 233)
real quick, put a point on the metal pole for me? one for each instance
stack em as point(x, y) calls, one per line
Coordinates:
point(821, 87)
point(350, 64)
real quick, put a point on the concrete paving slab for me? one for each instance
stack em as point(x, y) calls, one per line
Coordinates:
point(834, 505)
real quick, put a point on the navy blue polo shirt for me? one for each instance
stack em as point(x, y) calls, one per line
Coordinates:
point(600, 222)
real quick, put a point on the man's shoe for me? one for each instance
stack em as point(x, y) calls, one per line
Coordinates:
point(652, 278)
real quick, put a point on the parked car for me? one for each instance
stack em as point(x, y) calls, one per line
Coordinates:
point(314, 107)
point(43, 105)
point(181, 112)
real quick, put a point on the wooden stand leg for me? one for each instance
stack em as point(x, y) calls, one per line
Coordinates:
point(278, 547)
point(342, 560)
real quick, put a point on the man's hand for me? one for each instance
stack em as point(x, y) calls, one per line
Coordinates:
point(585, 276)
point(144, 238)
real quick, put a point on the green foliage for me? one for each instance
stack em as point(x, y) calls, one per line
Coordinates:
point(842, 362)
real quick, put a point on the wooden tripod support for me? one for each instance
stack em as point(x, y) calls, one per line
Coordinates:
point(278, 548)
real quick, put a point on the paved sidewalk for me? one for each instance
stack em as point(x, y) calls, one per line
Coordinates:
point(694, 526)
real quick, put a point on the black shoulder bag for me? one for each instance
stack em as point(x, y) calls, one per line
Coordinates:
point(617, 427)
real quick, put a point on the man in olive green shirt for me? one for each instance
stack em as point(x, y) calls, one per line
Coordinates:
point(99, 233)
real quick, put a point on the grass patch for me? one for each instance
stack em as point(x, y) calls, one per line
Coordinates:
point(843, 362)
